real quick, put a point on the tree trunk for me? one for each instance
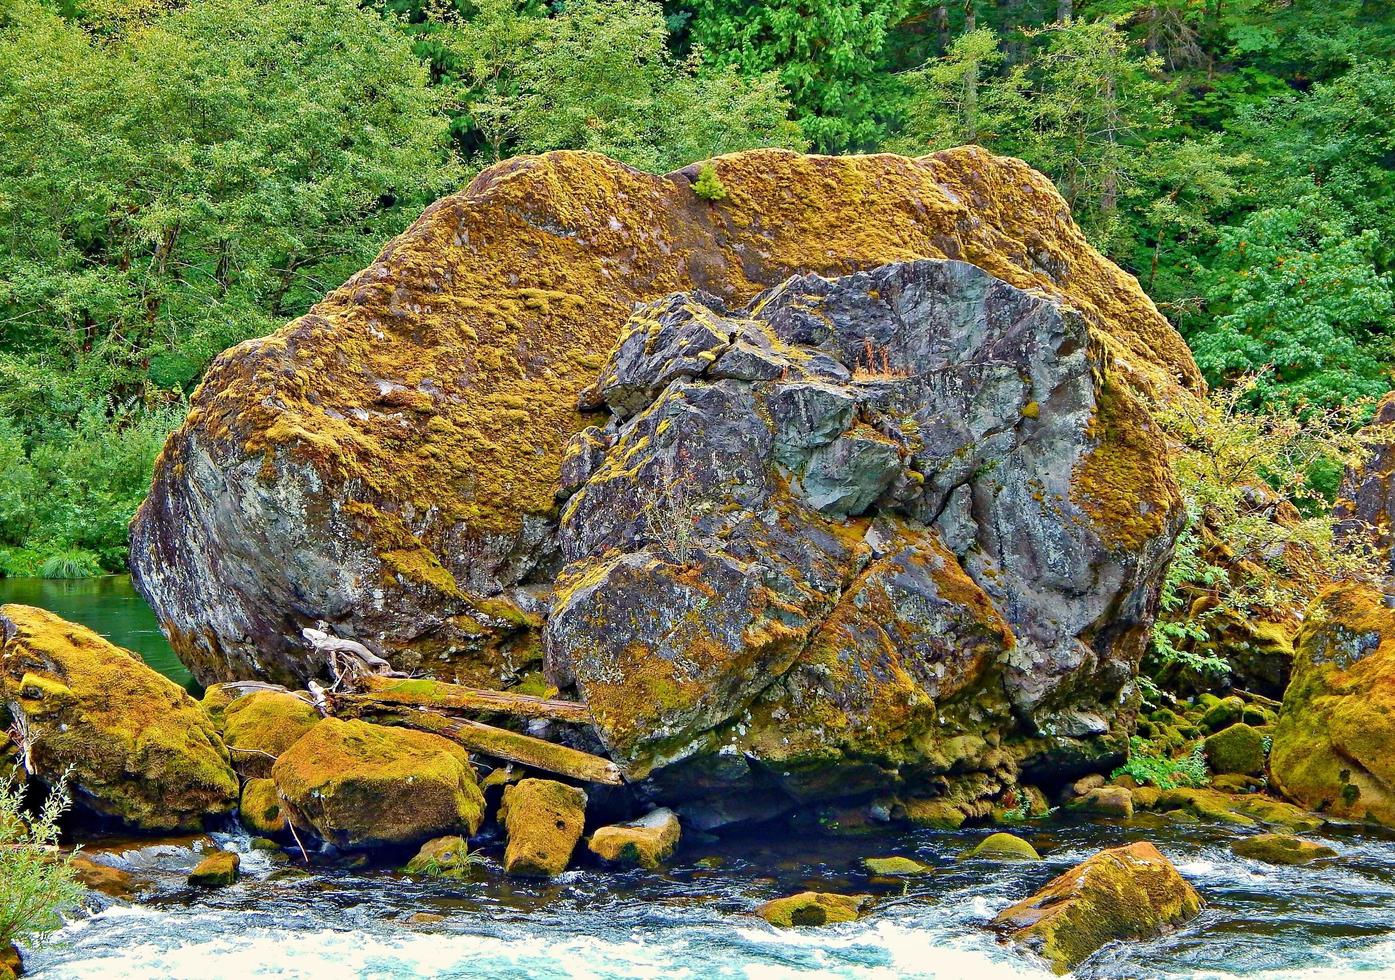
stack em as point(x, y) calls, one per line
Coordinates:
point(940, 16)
point(1065, 10)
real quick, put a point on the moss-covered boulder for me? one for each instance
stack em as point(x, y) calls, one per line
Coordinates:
point(1001, 847)
point(1334, 745)
point(359, 785)
point(217, 870)
point(647, 842)
point(1130, 892)
point(444, 857)
point(1236, 749)
point(259, 726)
point(260, 808)
point(1281, 849)
point(543, 820)
point(1222, 713)
point(894, 867)
point(813, 909)
point(140, 751)
point(1105, 801)
point(1240, 809)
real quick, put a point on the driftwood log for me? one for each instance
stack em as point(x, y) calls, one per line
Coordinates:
point(440, 696)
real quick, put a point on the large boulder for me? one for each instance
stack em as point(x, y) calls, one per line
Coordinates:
point(1334, 746)
point(1129, 892)
point(139, 750)
point(543, 820)
point(359, 785)
point(861, 531)
point(387, 463)
point(259, 726)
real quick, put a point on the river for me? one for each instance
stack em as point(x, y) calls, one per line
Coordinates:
point(1331, 920)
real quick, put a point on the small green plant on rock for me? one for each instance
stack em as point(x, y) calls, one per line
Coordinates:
point(1152, 767)
point(37, 883)
point(709, 186)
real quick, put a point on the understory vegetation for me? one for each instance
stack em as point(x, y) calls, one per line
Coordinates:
point(182, 175)
point(37, 884)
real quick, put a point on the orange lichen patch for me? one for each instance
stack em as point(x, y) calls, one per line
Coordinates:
point(1125, 483)
point(445, 376)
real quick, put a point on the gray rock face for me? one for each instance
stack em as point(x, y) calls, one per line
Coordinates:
point(852, 535)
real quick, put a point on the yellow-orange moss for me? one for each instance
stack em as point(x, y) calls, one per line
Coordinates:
point(261, 725)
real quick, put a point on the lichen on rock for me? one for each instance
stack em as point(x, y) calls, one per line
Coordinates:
point(138, 749)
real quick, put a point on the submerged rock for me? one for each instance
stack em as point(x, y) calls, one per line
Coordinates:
point(109, 881)
point(359, 785)
point(647, 842)
point(813, 909)
point(543, 820)
point(1001, 847)
point(1130, 892)
point(1334, 745)
point(140, 751)
point(217, 870)
point(1281, 849)
point(388, 462)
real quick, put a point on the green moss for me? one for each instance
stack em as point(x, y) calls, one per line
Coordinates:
point(1001, 847)
point(444, 857)
point(894, 867)
point(1237, 749)
point(217, 870)
point(543, 820)
point(261, 725)
point(260, 809)
point(1280, 849)
point(813, 909)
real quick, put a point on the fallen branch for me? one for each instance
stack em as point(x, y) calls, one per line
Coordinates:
point(497, 742)
point(439, 696)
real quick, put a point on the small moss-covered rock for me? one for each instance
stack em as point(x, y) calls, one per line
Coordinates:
point(1222, 714)
point(1130, 892)
point(813, 909)
point(444, 857)
point(260, 810)
point(647, 842)
point(258, 727)
point(1001, 847)
point(1105, 801)
point(1236, 749)
point(217, 870)
point(1145, 797)
point(1280, 849)
point(103, 878)
point(1244, 810)
point(894, 867)
point(543, 820)
point(140, 750)
point(936, 814)
point(11, 963)
point(360, 785)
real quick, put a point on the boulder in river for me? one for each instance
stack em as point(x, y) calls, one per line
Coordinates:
point(139, 750)
point(359, 785)
point(1334, 745)
point(1237, 749)
point(443, 857)
point(646, 842)
point(1281, 849)
point(543, 820)
point(259, 726)
point(260, 808)
point(217, 870)
point(813, 909)
point(1129, 892)
point(1001, 847)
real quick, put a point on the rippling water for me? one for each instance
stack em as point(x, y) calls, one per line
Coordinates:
point(693, 921)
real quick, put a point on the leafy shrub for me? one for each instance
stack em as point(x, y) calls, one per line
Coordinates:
point(37, 884)
point(1152, 767)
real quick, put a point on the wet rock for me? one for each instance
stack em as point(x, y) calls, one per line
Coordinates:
point(359, 785)
point(646, 842)
point(389, 463)
point(1244, 810)
point(1087, 783)
point(1280, 849)
point(217, 870)
point(103, 878)
point(1334, 745)
point(258, 727)
point(1125, 893)
point(260, 809)
point(543, 820)
point(895, 867)
point(140, 751)
point(1105, 801)
point(1234, 782)
point(424, 918)
point(813, 909)
point(1237, 749)
point(1001, 847)
point(444, 857)
point(937, 814)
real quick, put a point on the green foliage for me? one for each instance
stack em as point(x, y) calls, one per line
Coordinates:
point(37, 884)
point(598, 75)
point(708, 185)
point(1152, 766)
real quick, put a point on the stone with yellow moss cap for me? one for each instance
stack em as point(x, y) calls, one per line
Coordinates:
point(813, 909)
point(260, 809)
point(1334, 745)
point(217, 870)
point(359, 785)
point(1129, 892)
point(259, 726)
point(389, 462)
point(543, 820)
point(139, 750)
point(646, 842)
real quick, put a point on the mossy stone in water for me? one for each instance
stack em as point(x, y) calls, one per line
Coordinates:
point(444, 857)
point(1105, 801)
point(813, 909)
point(1001, 847)
point(646, 842)
point(894, 867)
point(543, 820)
point(1236, 749)
point(217, 870)
point(1281, 849)
point(260, 810)
point(259, 726)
